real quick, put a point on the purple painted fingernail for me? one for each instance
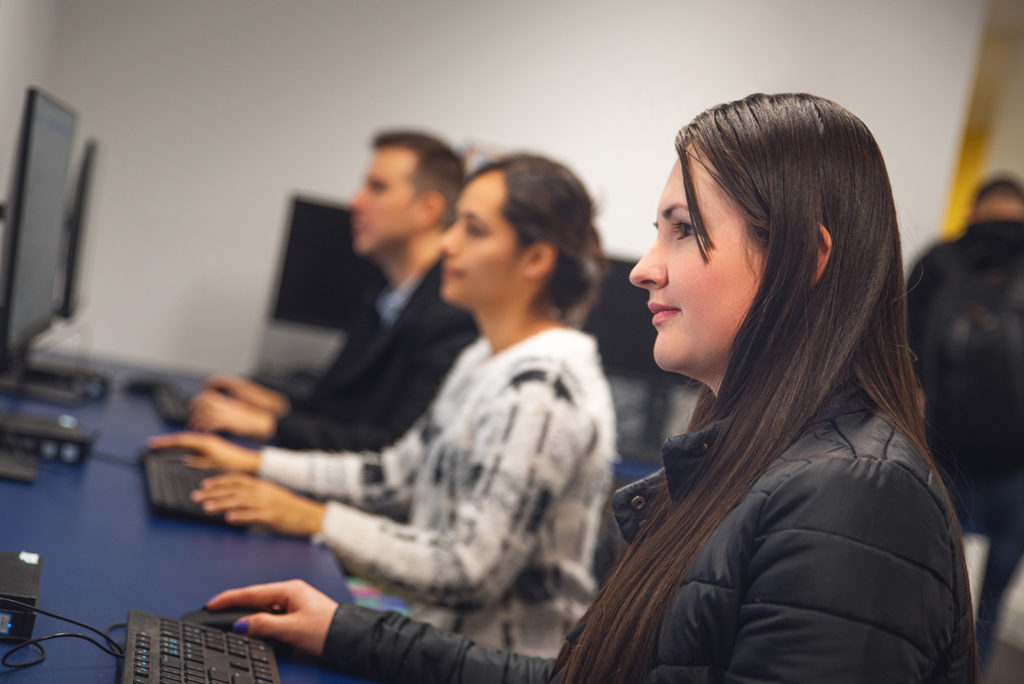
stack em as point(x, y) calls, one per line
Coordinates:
point(240, 627)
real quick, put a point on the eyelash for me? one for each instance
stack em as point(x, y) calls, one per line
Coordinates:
point(683, 229)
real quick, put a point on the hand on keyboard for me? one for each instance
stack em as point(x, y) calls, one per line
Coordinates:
point(245, 500)
point(209, 451)
point(213, 411)
point(170, 483)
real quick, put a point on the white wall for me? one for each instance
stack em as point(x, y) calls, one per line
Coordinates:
point(1006, 142)
point(27, 39)
point(211, 113)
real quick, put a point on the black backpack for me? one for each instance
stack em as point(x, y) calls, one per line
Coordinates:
point(972, 364)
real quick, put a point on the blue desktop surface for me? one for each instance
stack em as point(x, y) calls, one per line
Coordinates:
point(104, 553)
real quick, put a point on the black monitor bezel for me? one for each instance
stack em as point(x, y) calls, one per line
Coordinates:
point(13, 350)
point(74, 229)
point(371, 281)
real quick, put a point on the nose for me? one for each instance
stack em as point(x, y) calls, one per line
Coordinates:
point(356, 205)
point(449, 239)
point(649, 273)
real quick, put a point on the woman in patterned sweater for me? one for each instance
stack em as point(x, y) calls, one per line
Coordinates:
point(503, 480)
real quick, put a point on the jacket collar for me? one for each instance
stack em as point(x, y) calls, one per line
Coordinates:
point(683, 457)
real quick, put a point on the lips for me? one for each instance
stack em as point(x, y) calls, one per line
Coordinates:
point(661, 312)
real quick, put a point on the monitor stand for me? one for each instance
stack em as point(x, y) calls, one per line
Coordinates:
point(17, 465)
point(52, 382)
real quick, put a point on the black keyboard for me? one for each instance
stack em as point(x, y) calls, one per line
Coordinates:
point(170, 483)
point(170, 402)
point(163, 650)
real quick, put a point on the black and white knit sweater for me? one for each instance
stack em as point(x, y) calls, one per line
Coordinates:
point(504, 478)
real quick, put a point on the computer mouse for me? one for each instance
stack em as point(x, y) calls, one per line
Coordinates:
point(222, 619)
point(225, 620)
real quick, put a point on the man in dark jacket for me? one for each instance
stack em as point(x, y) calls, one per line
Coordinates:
point(965, 302)
point(394, 359)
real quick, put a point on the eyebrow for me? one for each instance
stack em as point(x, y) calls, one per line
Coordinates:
point(666, 213)
point(468, 215)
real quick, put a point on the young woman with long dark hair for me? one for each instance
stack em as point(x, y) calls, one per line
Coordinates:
point(799, 532)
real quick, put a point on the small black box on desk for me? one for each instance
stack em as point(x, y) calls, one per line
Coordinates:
point(45, 437)
point(19, 581)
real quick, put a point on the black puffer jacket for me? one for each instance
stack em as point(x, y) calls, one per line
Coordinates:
point(842, 564)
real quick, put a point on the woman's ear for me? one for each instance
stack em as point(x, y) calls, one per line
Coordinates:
point(539, 259)
point(824, 251)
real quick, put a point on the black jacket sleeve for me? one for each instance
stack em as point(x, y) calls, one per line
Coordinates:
point(407, 390)
point(389, 647)
point(384, 378)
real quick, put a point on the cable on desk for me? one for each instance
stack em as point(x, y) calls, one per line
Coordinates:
point(115, 649)
point(22, 644)
point(114, 459)
point(111, 628)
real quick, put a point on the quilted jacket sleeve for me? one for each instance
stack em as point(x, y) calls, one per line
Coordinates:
point(816, 607)
point(388, 647)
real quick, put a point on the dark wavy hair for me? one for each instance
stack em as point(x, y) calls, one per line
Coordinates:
point(791, 163)
point(545, 202)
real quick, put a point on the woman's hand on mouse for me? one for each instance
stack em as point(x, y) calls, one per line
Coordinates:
point(304, 623)
point(211, 451)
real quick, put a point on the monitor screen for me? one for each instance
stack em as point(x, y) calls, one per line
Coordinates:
point(35, 220)
point(321, 282)
point(621, 323)
point(74, 234)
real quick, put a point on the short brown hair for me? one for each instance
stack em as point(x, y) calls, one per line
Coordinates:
point(438, 169)
point(999, 185)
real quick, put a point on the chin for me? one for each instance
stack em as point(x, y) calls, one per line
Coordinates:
point(451, 295)
point(668, 363)
point(670, 359)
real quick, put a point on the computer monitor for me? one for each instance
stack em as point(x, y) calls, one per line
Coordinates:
point(321, 281)
point(74, 234)
point(34, 222)
point(34, 250)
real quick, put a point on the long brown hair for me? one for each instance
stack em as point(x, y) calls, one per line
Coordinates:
point(791, 163)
